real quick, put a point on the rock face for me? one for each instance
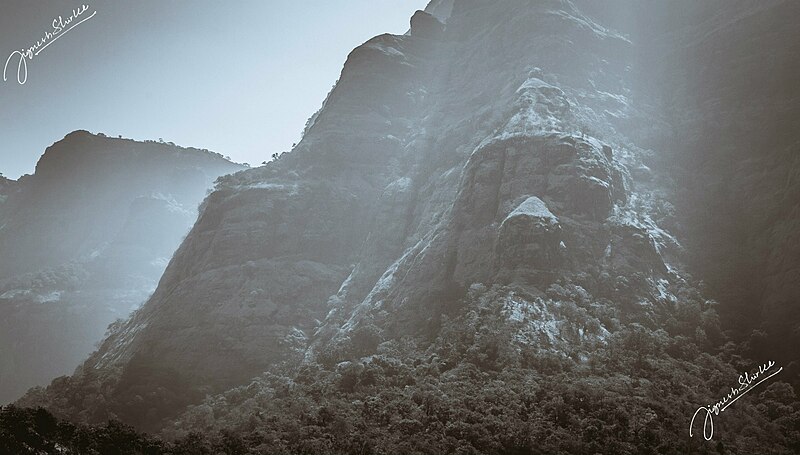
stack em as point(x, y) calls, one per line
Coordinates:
point(84, 241)
point(530, 234)
point(725, 85)
point(503, 159)
point(720, 77)
point(426, 25)
point(442, 160)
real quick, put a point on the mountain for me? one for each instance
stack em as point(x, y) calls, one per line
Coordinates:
point(84, 241)
point(487, 241)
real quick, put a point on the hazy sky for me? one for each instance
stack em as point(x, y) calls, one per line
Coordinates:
point(239, 78)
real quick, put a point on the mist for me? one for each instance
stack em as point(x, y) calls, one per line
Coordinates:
point(182, 71)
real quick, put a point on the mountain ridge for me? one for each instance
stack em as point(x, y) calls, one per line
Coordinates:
point(84, 240)
point(483, 212)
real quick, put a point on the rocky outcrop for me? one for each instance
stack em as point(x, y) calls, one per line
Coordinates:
point(437, 165)
point(272, 244)
point(425, 25)
point(530, 234)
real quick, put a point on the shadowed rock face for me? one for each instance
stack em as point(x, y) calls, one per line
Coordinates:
point(426, 25)
point(750, 159)
point(530, 234)
point(505, 156)
point(84, 241)
point(727, 86)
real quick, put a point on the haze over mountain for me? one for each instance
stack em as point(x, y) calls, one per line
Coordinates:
point(106, 77)
point(522, 227)
point(83, 242)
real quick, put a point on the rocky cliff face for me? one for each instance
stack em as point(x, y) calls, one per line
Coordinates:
point(497, 173)
point(739, 114)
point(84, 241)
point(443, 159)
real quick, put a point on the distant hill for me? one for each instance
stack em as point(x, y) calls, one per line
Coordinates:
point(84, 240)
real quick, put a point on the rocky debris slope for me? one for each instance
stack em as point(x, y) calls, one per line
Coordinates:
point(84, 241)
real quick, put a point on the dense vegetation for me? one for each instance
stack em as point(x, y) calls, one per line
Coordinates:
point(473, 389)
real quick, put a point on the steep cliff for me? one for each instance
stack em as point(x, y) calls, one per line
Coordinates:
point(481, 202)
point(83, 242)
point(734, 96)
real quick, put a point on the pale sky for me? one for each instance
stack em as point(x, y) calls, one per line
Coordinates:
point(239, 78)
